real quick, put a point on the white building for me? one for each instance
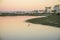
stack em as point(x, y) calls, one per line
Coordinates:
point(47, 9)
point(57, 8)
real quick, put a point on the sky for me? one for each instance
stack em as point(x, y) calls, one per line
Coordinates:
point(26, 5)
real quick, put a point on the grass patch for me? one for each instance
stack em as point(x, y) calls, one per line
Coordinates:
point(52, 20)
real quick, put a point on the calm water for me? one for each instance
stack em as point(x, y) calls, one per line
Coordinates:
point(15, 28)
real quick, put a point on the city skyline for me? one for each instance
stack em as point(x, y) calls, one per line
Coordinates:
point(26, 5)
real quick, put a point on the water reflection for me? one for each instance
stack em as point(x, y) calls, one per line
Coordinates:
point(15, 28)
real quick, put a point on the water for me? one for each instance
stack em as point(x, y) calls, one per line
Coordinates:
point(15, 28)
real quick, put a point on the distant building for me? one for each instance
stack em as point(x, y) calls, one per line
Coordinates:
point(47, 9)
point(38, 11)
point(57, 8)
point(41, 11)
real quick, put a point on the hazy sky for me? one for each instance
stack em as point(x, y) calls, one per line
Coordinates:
point(18, 5)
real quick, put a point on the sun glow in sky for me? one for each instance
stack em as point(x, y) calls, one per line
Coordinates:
point(19, 5)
